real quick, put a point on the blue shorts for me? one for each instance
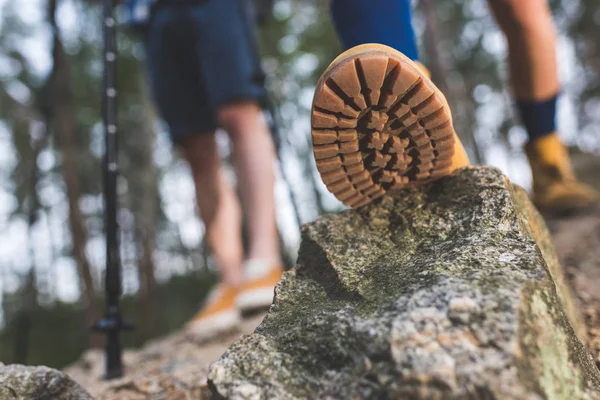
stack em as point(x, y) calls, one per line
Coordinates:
point(201, 55)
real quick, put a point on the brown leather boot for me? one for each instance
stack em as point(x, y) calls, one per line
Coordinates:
point(555, 188)
point(380, 124)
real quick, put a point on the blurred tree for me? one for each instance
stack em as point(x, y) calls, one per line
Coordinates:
point(30, 301)
point(143, 199)
point(582, 21)
point(62, 118)
point(440, 64)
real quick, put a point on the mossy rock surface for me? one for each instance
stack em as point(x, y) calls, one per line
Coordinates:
point(20, 382)
point(449, 291)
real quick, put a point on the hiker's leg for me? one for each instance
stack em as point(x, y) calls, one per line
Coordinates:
point(380, 83)
point(253, 159)
point(222, 218)
point(531, 36)
point(387, 22)
point(218, 206)
point(233, 80)
point(182, 101)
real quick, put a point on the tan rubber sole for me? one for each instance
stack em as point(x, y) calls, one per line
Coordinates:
point(379, 124)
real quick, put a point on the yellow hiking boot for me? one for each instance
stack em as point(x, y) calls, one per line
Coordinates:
point(259, 287)
point(380, 124)
point(555, 187)
point(218, 315)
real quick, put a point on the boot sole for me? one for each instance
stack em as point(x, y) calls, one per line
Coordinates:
point(379, 124)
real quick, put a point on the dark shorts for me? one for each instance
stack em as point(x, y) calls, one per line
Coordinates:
point(201, 56)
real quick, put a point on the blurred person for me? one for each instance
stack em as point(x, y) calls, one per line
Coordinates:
point(202, 66)
point(531, 36)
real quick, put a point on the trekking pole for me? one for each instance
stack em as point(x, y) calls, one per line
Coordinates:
point(112, 323)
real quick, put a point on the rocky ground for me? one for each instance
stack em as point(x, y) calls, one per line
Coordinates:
point(175, 367)
point(171, 368)
point(577, 241)
point(449, 291)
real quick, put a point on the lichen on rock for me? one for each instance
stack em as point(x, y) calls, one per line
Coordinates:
point(21, 382)
point(448, 291)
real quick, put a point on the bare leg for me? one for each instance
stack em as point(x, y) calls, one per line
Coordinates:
point(218, 205)
point(253, 157)
point(531, 36)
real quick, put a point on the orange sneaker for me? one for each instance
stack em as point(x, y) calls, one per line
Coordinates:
point(218, 315)
point(258, 290)
point(380, 124)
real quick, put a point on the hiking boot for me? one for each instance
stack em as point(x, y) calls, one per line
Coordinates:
point(218, 315)
point(380, 124)
point(556, 190)
point(258, 290)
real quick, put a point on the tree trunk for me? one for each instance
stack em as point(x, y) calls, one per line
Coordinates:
point(440, 68)
point(63, 121)
point(24, 317)
point(29, 300)
point(145, 212)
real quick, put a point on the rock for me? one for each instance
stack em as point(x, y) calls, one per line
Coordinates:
point(20, 382)
point(577, 242)
point(449, 291)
